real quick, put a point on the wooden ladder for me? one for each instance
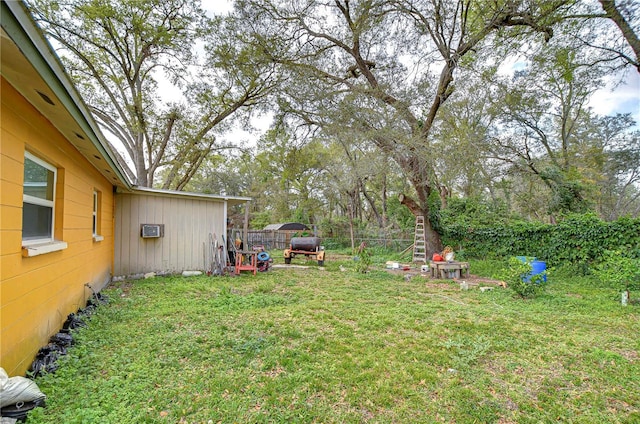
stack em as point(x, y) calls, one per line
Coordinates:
point(420, 243)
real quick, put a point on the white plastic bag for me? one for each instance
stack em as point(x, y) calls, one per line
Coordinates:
point(17, 389)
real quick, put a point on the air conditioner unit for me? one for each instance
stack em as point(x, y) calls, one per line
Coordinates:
point(151, 230)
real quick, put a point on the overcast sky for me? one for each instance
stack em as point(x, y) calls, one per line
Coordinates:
point(623, 99)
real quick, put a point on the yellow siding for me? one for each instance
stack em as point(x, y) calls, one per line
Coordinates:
point(37, 293)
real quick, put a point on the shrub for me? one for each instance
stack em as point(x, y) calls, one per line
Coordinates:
point(364, 259)
point(517, 275)
point(619, 269)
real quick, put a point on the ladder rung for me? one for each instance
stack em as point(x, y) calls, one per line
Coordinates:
point(419, 245)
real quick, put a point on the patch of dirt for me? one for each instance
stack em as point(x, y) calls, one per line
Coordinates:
point(629, 355)
point(277, 266)
point(441, 286)
point(472, 280)
point(125, 286)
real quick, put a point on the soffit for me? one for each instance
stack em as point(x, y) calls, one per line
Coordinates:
point(74, 125)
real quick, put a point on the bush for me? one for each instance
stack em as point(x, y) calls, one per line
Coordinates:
point(619, 269)
point(517, 275)
point(364, 259)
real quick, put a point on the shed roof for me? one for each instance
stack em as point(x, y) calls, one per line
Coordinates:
point(231, 200)
point(286, 226)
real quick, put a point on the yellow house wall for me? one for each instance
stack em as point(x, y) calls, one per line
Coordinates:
point(37, 293)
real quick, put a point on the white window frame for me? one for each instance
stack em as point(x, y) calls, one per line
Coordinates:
point(94, 225)
point(26, 198)
point(42, 245)
point(96, 216)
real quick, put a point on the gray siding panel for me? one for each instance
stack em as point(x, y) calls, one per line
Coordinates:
point(187, 225)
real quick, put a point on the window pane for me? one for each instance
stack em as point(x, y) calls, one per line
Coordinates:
point(95, 212)
point(38, 180)
point(36, 221)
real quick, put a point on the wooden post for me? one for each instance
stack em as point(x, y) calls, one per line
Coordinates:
point(246, 226)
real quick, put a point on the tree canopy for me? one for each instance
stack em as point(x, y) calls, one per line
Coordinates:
point(376, 103)
point(119, 52)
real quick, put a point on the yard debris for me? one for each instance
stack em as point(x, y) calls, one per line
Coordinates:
point(191, 273)
point(73, 321)
point(263, 259)
point(19, 396)
point(46, 360)
point(392, 265)
point(484, 289)
point(290, 266)
point(47, 356)
point(62, 339)
point(149, 275)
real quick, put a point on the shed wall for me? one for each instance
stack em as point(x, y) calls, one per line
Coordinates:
point(187, 225)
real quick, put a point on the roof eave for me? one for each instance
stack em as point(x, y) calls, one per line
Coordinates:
point(233, 200)
point(18, 23)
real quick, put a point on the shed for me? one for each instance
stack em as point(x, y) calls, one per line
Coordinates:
point(179, 228)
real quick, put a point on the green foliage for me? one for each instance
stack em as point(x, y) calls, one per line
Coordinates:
point(150, 36)
point(330, 227)
point(619, 269)
point(476, 211)
point(363, 261)
point(579, 239)
point(466, 351)
point(400, 214)
point(568, 192)
point(488, 267)
point(261, 219)
point(287, 172)
point(517, 275)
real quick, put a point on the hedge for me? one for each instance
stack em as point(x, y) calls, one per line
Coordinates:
point(578, 239)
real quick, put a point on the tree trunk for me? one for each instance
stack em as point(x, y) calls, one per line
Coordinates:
point(353, 245)
point(431, 236)
point(141, 169)
point(444, 196)
point(628, 33)
point(372, 203)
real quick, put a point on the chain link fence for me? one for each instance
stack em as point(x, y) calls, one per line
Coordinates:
point(396, 240)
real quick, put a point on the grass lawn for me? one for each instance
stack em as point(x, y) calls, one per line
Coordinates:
point(330, 346)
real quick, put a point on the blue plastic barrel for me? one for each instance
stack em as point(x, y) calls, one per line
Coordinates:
point(537, 267)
